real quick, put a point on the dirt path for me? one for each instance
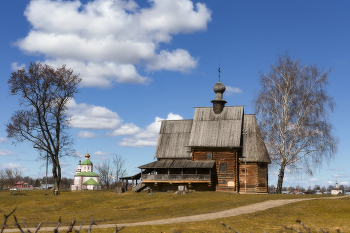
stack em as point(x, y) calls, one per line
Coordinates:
point(194, 218)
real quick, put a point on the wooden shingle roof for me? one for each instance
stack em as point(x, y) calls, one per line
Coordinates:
point(217, 130)
point(207, 129)
point(254, 146)
point(173, 138)
point(179, 164)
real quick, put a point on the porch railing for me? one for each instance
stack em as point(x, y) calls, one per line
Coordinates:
point(175, 177)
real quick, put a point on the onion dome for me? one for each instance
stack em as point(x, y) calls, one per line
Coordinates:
point(87, 156)
point(219, 103)
point(87, 162)
point(219, 88)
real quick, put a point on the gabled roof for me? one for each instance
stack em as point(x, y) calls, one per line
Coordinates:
point(207, 129)
point(91, 182)
point(254, 147)
point(173, 138)
point(179, 164)
point(217, 130)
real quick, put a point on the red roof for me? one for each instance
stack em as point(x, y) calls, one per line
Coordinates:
point(19, 182)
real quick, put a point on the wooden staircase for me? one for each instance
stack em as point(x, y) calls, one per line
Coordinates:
point(139, 187)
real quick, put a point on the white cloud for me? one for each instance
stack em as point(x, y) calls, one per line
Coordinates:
point(178, 60)
point(15, 66)
point(86, 134)
point(232, 90)
point(102, 153)
point(340, 176)
point(126, 129)
point(4, 152)
point(313, 179)
point(336, 169)
point(14, 166)
point(92, 117)
point(134, 142)
point(97, 118)
point(102, 74)
point(149, 135)
point(104, 40)
point(3, 140)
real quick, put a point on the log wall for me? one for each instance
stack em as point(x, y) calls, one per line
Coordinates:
point(222, 181)
point(257, 177)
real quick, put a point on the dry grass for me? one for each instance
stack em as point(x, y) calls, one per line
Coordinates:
point(328, 215)
point(108, 207)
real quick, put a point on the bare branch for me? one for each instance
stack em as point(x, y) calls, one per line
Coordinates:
point(117, 230)
point(77, 231)
point(71, 227)
point(306, 229)
point(17, 224)
point(58, 224)
point(228, 227)
point(38, 227)
point(5, 220)
point(91, 222)
point(291, 228)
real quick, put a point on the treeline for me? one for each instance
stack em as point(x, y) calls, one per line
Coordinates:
point(272, 188)
point(9, 177)
point(65, 182)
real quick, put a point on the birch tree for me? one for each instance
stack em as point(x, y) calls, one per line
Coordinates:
point(44, 93)
point(293, 109)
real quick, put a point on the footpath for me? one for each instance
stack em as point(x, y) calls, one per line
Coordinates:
point(193, 218)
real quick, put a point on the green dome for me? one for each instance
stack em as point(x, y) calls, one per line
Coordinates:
point(87, 162)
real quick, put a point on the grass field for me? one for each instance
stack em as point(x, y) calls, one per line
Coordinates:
point(108, 207)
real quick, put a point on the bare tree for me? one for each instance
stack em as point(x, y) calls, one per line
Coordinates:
point(293, 108)
point(119, 170)
point(44, 93)
point(106, 173)
point(111, 171)
point(9, 176)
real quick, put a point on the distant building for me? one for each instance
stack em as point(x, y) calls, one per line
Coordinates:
point(85, 178)
point(22, 185)
point(336, 191)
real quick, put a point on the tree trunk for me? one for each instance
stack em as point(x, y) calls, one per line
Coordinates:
point(56, 173)
point(280, 179)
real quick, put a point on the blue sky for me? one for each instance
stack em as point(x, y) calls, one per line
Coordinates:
point(146, 61)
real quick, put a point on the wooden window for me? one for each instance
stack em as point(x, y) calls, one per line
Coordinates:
point(209, 155)
point(223, 167)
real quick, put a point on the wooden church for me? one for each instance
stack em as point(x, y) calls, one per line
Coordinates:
point(218, 150)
